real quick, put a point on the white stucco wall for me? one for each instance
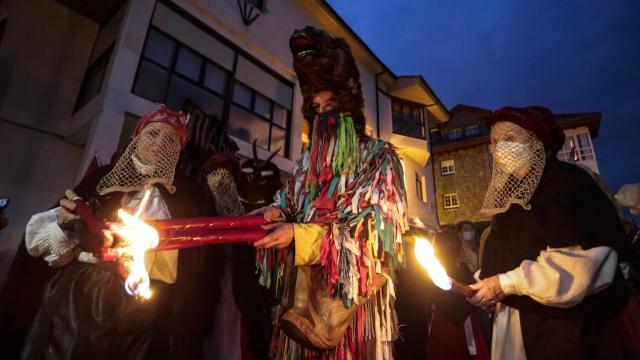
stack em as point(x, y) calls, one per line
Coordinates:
point(43, 56)
point(35, 170)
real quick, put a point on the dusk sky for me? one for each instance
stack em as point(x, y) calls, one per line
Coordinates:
point(571, 56)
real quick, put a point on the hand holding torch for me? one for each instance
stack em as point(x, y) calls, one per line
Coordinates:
point(425, 255)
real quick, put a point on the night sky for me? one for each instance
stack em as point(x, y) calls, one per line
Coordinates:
point(571, 56)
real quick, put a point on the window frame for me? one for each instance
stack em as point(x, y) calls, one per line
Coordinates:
point(172, 70)
point(450, 169)
point(232, 73)
point(262, 8)
point(405, 103)
point(421, 187)
point(269, 120)
point(451, 197)
point(100, 62)
point(455, 131)
point(572, 151)
point(581, 149)
point(476, 130)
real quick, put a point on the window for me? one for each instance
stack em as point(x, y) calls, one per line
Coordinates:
point(93, 78)
point(255, 116)
point(408, 119)
point(455, 134)
point(585, 150)
point(421, 188)
point(450, 201)
point(129, 124)
point(576, 148)
point(567, 153)
point(252, 100)
point(447, 167)
point(258, 4)
point(472, 130)
point(170, 73)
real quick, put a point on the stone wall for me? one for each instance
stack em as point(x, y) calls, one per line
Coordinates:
point(470, 182)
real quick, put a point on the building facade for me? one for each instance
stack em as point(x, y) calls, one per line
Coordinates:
point(77, 75)
point(462, 158)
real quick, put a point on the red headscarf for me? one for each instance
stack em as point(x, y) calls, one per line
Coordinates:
point(166, 116)
point(536, 119)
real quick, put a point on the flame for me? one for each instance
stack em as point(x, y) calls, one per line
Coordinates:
point(137, 237)
point(427, 258)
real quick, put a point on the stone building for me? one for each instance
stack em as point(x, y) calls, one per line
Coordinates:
point(462, 158)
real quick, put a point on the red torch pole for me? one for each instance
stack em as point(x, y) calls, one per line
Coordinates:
point(83, 210)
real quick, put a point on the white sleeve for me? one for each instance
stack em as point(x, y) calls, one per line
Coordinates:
point(562, 277)
point(43, 237)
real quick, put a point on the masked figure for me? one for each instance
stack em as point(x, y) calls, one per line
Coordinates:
point(259, 181)
point(344, 208)
point(85, 311)
point(550, 265)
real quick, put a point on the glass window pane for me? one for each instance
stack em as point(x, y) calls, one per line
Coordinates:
point(189, 63)
point(278, 141)
point(151, 82)
point(181, 90)
point(215, 78)
point(417, 117)
point(262, 106)
point(280, 115)
point(406, 113)
point(129, 124)
point(242, 95)
point(246, 126)
point(257, 3)
point(583, 141)
point(396, 111)
point(159, 48)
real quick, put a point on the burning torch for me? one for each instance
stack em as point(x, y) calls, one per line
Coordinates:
point(128, 240)
point(426, 256)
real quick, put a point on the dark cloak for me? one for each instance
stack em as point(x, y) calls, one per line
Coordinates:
point(567, 209)
point(99, 320)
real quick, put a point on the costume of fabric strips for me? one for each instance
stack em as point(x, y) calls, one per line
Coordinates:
point(352, 186)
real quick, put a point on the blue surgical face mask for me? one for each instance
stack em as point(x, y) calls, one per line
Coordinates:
point(468, 235)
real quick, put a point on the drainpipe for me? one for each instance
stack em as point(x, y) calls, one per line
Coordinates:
point(378, 103)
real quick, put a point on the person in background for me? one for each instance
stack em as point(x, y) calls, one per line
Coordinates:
point(468, 236)
point(455, 330)
point(468, 256)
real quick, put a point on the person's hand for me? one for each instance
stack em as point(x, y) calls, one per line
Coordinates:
point(488, 293)
point(270, 213)
point(280, 237)
point(67, 211)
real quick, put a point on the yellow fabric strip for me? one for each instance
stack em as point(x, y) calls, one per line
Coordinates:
point(308, 240)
